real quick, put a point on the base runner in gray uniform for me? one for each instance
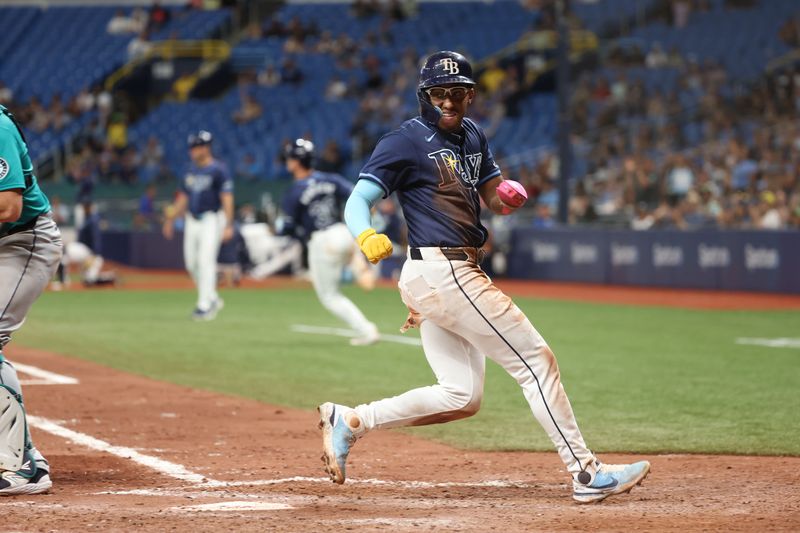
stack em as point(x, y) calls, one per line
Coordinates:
point(30, 250)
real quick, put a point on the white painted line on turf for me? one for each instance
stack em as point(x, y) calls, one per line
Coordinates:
point(233, 506)
point(340, 332)
point(167, 468)
point(45, 377)
point(781, 342)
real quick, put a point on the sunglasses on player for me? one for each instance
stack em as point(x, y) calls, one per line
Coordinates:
point(456, 94)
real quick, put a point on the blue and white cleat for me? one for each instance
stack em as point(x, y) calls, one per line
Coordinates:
point(610, 480)
point(337, 439)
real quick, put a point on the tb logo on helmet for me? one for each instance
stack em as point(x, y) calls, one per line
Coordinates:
point(449, 66)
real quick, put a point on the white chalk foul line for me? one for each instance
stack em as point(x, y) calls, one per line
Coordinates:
point(233, 507)
point(781, 342)
point(167, 468)
point(340, 332)
point(45, 377)
point(492, 483)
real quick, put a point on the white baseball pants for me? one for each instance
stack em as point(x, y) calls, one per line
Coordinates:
point(201, 241)
point(465, 318)
point(329, 251)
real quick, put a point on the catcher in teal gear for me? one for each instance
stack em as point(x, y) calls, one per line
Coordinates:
point(30, 250)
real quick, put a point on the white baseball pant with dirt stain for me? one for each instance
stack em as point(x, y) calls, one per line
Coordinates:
point(464, 318)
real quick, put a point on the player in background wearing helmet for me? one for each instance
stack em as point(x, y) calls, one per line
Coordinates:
point(441, 167)
point(30, 249)
point(206, 197)
point(313, 212)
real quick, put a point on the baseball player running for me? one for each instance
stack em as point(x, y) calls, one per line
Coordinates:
point(440, 165)
point(207, 193)
point(313, 211)
point(30, 249)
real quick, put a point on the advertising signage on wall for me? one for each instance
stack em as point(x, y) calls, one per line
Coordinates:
point(730, 260)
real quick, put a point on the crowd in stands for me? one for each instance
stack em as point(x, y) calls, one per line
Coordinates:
point(55, 114)
point(708, 153)
point(740, 172)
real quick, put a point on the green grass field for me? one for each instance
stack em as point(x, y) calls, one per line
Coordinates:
point(640, 379)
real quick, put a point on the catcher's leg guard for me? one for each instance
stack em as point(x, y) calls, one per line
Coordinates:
point(12, 429)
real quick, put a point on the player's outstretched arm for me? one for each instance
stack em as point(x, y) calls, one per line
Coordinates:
point(376, 246)
point(503, 196)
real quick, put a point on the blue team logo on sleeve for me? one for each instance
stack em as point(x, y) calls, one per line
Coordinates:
point(4, 168)
point(452, 168)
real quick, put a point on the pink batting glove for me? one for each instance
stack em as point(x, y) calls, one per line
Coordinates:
point(512, 193)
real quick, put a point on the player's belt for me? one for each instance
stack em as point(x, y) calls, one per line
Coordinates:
point(473, 255)
point(8, 229)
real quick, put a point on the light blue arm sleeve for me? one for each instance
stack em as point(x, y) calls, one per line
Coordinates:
point(356, 212)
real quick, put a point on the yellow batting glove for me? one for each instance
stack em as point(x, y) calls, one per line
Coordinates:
point(376, 246)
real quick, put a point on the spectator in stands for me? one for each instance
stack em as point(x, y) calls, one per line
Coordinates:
point(331, 160)
point(6, 95)
point(680, 178)
point(157, 17)
point(61, 214)
point(492, 78)
point(39, 118)
point(146, 217)
point(336, 89)
point(250, 110)
point(139, 46)
point(681, 9)
point(254, 32)
point(642, 218)
point(581, 209)
point(249, 168)
point(269, 77)
point(656, 57)
point(543, 217)
point(121, 23)
point(59, 117)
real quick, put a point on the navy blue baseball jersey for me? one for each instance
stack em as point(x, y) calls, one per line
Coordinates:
point(315, 203)
point(203, 186)
point(436, 176)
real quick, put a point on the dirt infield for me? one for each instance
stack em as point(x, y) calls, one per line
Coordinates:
point(132, 453)
point(129, 453)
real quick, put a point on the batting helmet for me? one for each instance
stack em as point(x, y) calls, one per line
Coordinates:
point(302, 150)
point(200, 138)
point(445, 67)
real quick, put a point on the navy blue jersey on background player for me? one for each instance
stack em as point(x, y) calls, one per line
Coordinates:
point(438, 192)
point(314, 203)
point(203, 186)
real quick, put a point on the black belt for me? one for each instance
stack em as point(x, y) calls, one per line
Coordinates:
point(6, 231)
point(453, 254)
